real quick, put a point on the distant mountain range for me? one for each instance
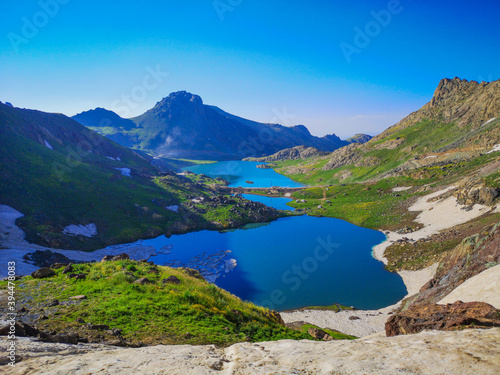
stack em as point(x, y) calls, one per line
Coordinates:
point(181, 126)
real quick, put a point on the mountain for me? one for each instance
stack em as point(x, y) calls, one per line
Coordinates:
point(458, 125)
point(80, 190)
point(181, 126)
point(359, 138)
point(294, 153)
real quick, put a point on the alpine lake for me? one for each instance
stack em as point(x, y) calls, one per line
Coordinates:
point(289, 263)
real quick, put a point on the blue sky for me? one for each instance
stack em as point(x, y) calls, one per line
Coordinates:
point(270, 61)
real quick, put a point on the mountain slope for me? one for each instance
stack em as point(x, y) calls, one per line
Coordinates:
point(59, 173)
point(458, 125)
point(181, 126)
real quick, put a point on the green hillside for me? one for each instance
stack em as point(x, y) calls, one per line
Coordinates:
point(58, 173)
point(188, 310)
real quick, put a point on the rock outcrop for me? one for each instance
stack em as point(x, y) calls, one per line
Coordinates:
point(472, 256)
point(449, 317)
point(453, 353)
point(294, 153)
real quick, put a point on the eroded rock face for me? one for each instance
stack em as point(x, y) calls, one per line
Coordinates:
point(344, 156)
point(294, 153)
point(442, 317)
point(469, 258)
point(469, 352)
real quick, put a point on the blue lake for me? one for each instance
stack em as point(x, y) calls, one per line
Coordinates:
point(290, 263)
point(239, 172)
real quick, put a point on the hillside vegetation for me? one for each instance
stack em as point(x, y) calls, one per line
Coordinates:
point(59, 173)
point(173, 306)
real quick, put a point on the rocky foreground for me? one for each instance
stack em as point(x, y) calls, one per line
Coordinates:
point(431, 352)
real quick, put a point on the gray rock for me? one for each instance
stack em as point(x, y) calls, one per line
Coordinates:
point(42, 273)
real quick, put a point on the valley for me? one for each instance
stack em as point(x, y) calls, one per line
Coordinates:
point(390, 225)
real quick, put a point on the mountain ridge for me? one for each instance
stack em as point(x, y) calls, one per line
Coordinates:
point(182, 126)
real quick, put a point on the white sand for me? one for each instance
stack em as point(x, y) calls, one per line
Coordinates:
point(484, 287)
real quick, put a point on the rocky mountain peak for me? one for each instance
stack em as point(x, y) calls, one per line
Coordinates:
point(181, 99)
point(451, 88)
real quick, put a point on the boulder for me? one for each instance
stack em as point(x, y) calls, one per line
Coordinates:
point(319, 334)
point(448, 317)
point(121, 256)
point(191, 272)
point(77, 276)
point(488, 194)
point(68, 269)
point(21, 330)
point(42, 273)
point(79, 297)
point(142, 281)
point(171, 280)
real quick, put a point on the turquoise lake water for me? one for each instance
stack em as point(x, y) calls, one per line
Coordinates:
point(239, 172)
point(289, 263)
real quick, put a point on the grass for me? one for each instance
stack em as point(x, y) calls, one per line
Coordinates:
point(52, 194)
point(373, 206)
point(191, 312)
point(335, 334)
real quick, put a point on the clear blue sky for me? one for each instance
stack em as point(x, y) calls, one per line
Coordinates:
point(270, 61)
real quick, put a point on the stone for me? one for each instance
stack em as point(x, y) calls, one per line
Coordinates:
point(142, 281)
point(43, 273)
point(107, 258)
point(79, 297)
point(192, 272)
point(53, 302)
point(488, 194)
point(171, 280)
point(56, 266)
point(21, 330)
point(122, 256)
point(354, 317)
point(68, 269)
point(319, 334)
point(442, 317)
point(77, 276)
point(100, 327)
point(64, 339)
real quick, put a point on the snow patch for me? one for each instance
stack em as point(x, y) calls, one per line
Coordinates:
point(490, 120)
point(401, 188)
point(48, 145)
point(495, 149)
point(174, 208)
point(89, 230)
point(431, 156)
point(125, 171)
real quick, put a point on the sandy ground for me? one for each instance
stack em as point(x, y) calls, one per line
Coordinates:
point(435, 216)
point(484, 287)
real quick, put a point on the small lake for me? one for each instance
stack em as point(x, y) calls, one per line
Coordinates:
point(289, 263)
point(239, 172)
